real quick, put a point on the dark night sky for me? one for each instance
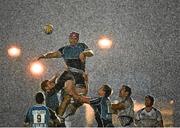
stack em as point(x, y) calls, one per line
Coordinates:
point(145, 52)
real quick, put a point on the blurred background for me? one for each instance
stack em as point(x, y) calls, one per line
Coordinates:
point(144, 51)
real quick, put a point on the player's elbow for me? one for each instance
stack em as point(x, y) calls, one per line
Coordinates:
point(55, 54)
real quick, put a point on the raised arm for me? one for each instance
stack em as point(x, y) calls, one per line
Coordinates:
point(49, 55)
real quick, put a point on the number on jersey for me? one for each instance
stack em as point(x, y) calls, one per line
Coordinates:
point(39, 116)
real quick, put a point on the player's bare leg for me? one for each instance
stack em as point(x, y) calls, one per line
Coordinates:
point(71, 92)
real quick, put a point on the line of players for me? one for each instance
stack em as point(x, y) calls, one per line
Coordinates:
point(103, 108)
point(73, 85)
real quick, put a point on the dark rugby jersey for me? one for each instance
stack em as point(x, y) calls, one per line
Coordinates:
point(70, 54)
point(52, 100)
point(102, 106)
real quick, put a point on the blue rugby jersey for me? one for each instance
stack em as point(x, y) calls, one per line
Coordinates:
point(38, 116)
point(102, 106)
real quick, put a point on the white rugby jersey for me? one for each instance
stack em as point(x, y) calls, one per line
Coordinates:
point(148, 119)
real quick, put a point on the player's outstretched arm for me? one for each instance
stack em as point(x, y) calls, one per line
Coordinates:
point(49, 55)
point(118, 106)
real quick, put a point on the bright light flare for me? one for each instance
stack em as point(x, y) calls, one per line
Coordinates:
point(105, 43)
point(166, 111)
point(14, 51)
point(89, 115)
point(36, 68)
point(138, 106)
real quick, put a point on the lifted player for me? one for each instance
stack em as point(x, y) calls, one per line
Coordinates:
point(74, 56)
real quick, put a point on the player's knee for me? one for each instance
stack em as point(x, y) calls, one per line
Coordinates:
point(69, 84)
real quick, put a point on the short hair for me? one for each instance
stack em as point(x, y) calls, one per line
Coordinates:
point(151, 98)
point(74, 34)
point(39, 97)
point(127, 89)
point(44, 84)
point(108, 90)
